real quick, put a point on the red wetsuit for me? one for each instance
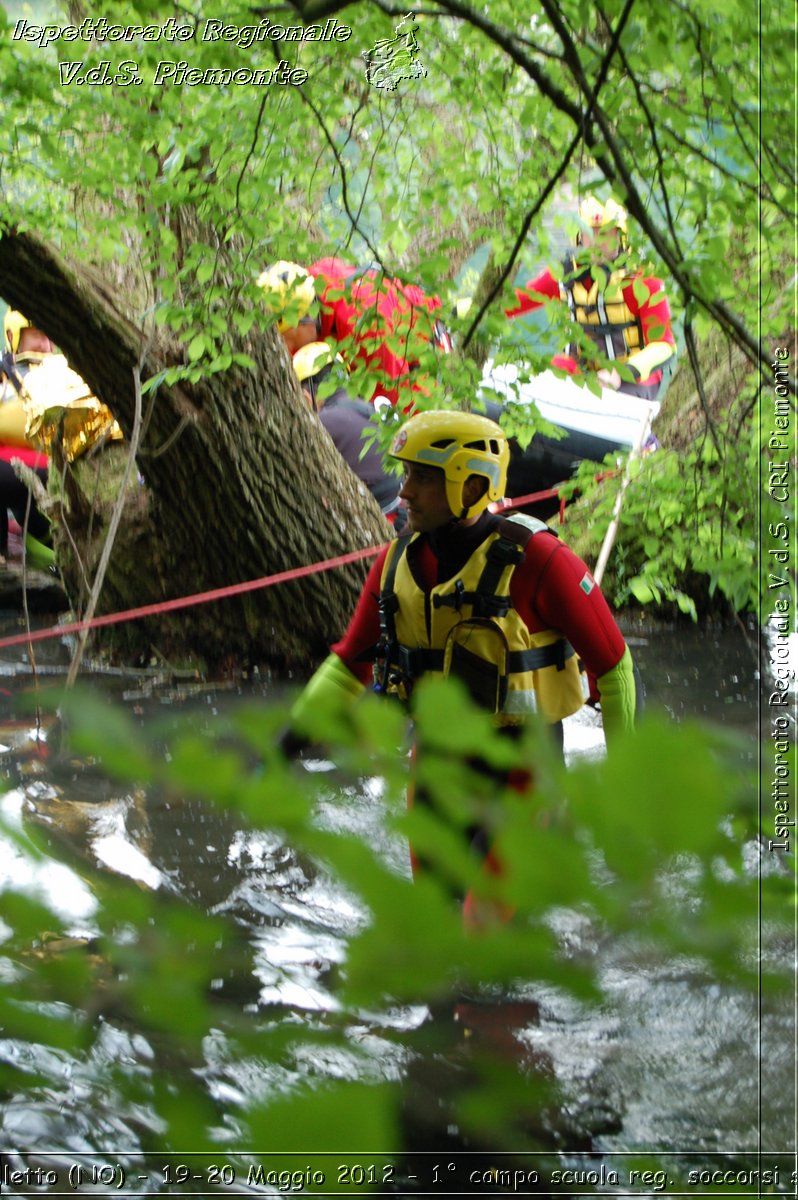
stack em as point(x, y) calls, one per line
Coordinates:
point(383, 317)
point(551, 589)
point(14, 494)
point(36, 459)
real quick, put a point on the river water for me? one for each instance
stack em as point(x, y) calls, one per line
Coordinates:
point(669, 1062)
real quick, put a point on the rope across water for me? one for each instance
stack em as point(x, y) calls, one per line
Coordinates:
point(223, 593)
point(151, 610)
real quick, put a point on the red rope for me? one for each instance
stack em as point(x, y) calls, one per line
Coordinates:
point(149, 610)
point(547, 494)
point(252, 585)
point(532, 498)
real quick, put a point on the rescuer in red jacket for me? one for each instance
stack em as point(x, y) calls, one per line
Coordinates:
point(367, 316)
point(502, 605)
point(624, 314)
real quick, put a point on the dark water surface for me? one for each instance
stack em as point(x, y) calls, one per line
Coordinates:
point(668, 1062)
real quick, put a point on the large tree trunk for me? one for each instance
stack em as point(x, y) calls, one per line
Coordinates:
point(241, 482)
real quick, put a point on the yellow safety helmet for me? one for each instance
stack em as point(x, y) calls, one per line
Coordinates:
point(594, 215)
point(461, 444)
point(13, 324)
point(311, 359)
point(289, 292)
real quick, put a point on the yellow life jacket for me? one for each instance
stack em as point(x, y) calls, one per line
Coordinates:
point(598, 305)
point(13, 399)
point(12, 418)
point(467, 628)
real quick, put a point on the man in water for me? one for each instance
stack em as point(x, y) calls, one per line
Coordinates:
point(501, 604)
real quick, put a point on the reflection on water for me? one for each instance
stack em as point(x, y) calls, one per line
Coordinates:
point(60, 888)
point(701, 672)
point(667, 1060)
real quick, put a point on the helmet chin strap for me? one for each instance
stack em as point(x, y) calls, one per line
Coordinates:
point(454, 521)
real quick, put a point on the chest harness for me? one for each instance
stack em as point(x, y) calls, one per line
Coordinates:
point(467, 628)
point(599, 307)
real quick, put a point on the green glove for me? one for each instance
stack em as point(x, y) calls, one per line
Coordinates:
point(618, 691)
point(39, 556)
point(332, 687)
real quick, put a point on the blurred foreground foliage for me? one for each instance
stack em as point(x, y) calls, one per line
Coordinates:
point(652, 847)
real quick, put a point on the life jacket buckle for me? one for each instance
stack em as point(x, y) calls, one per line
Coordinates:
point(388, 607)
point(503, 552)
point(492, 606)
point(455, 599)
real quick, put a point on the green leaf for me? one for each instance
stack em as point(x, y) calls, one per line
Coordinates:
point(197, 347)
point(325, 1118)
point(644, 591)
point(245, 360)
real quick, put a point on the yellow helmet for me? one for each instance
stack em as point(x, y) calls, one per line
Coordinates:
point(13, 324)
point(311, 359)
point(288, 292)
point(594, 216)
point(461, 444)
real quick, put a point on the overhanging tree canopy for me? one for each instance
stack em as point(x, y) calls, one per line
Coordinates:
point(174, 185)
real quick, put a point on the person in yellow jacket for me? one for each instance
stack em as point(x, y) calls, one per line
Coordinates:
point(624, 313)
point(501, 603)
point(25, 348)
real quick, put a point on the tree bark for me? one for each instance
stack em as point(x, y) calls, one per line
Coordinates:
point(240, 481)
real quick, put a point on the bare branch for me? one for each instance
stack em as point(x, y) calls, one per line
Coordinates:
point(617, 171)
point(554, 179)
point(250, 152)
point(342, 169)
point(692, 352)
point(113, 527)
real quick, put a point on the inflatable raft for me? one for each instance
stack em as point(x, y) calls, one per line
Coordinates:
point(594, 425)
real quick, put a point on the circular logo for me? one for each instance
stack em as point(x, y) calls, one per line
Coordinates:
point(399, 442)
